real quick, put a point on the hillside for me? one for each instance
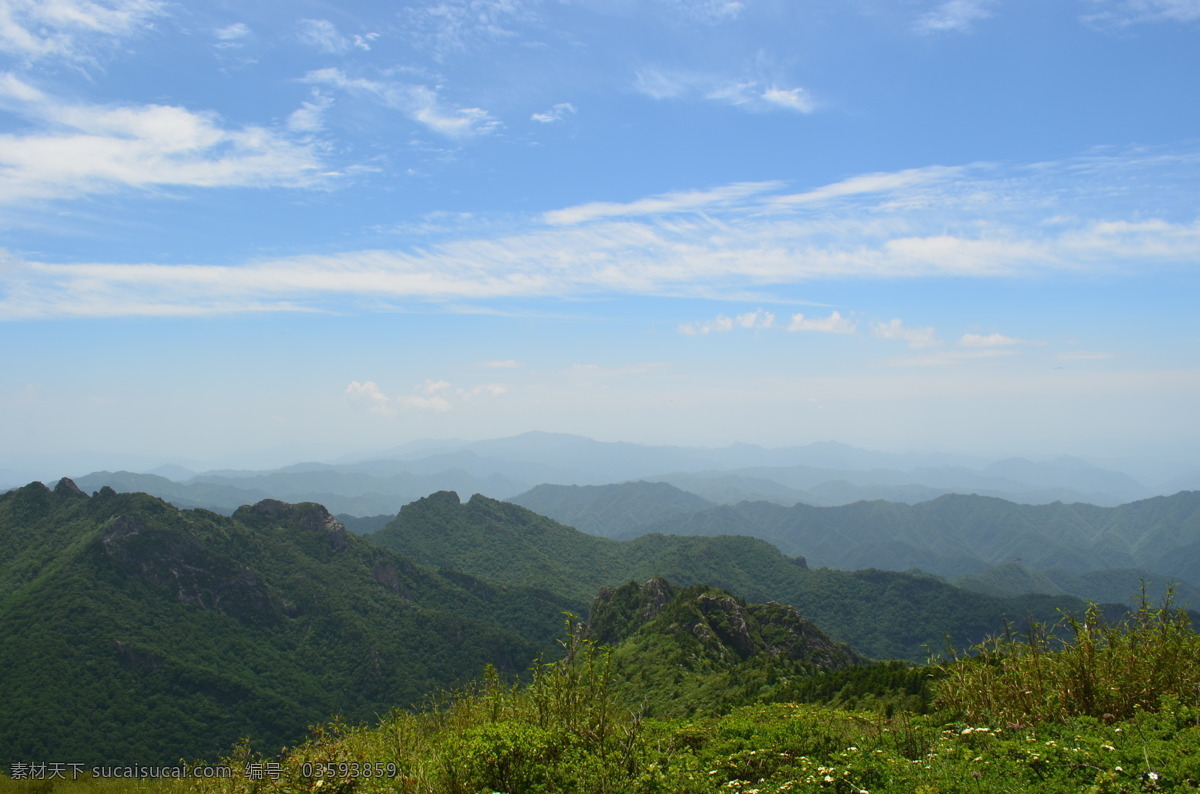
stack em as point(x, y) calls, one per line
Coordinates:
point(957, 535)
point(137, 632)
point(883, 614)
point(677, 652)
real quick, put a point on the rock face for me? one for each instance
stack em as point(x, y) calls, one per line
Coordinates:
point(191, 572)
point(725, 630)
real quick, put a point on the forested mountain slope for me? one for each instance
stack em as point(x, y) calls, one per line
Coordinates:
point(879, 613)
point(955, 534)
point(136, 632)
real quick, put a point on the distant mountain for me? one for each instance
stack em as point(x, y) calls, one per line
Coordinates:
point(955, 535)
point(819, 474)
point(1122, 585)
point(357, 489)
point(611, 510)
point(135, 632)
point(881, 614)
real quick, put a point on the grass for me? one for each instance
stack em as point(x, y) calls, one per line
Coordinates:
point(1081, 707)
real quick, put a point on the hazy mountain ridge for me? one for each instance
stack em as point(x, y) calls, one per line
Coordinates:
point(953, 535)
point(820, 474)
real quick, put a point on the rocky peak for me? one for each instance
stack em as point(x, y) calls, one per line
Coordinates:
point(307, 516)
point(67, 487)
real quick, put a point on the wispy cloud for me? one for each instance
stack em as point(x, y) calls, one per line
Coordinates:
point(990, 340)
point(835, 323)
point(1122, 13)
point(324, 36)
point(757, 319)
point(232, 35)
point(667, 203)
point(747, 93)
point(723, 243)
point(557, 113)
point(82, 149)
point(876, 183)
point(954, 16)
point(72, 30)
point(438, 396)
point(449, 28)
point(419, 102)
point(915, 337)
point(508, 363)
point(707, 12)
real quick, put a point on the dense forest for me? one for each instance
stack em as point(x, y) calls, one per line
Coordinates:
point(432, 652)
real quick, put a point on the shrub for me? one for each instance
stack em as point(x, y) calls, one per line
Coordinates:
point(1081, 667)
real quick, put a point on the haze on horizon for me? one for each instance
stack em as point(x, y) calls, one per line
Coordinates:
point(260, 235)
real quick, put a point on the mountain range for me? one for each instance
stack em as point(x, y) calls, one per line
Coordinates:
point(953, 535)
point(821, 474)
point(137, 632)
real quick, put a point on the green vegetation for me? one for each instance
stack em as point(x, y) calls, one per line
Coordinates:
point(139, 633)
point(1102, 670)
point(572, 729)
point(136, 632)
point(882, 614)
point(957, 535)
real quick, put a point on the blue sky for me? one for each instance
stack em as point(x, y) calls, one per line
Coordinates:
point(250, 233)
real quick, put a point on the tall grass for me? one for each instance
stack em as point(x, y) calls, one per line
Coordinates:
point(1083, 666)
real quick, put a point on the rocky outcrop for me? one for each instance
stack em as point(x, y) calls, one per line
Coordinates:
point(722, 628)
point(192, 573)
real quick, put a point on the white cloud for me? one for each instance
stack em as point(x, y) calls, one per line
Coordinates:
point(232, 33)
point(484, 390)
point(73, 30)
point(991, 340)
point(835, 323)
point(707, 12)
point(368, 394)
point(915, 337)
point(1122, 13)
point(689, 201)
point(757, 319)
point(954, 16)
point(430, 395)
point(747, 93)
point(82, 149)
point(420, 103)
point(790, 98)
point(737, 242)
point(865, 184)
point(310, 116)
point(505, 364)
point(657, 84)
point(324, 36)
point(449, 28)
point(557, 113)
